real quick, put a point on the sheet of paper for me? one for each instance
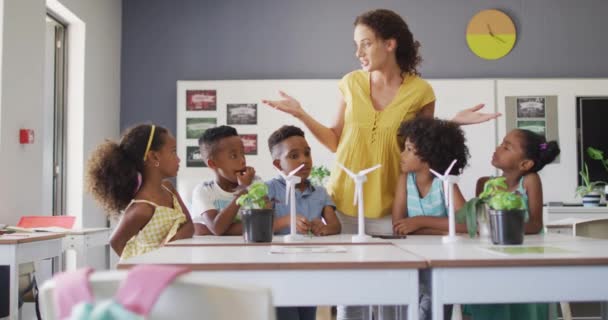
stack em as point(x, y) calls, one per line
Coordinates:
point(523, 250)
point(306, 249)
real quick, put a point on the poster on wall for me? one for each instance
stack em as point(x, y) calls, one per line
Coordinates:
point(534, 113)
point(201, 100)
point(194, 158)
point(195, 127)
point(242, 113)
point(531, 107)
point(250, 141)
point(536, 126)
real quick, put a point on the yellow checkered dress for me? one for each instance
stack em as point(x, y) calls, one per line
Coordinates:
point(161, 228)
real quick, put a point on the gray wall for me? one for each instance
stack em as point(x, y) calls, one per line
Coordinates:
point(166, 41)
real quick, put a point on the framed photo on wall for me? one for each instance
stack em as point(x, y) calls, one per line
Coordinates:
point(195, 127)
point(194, 158)
point(250, 141)
point(241, 113)
point(201, 100)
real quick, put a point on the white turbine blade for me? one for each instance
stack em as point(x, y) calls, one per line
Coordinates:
point(295, 170)
point(350, 173)
point(368, 170)
point(447, 172)
point(280, 172)
point(437, 174)
point(446, 193)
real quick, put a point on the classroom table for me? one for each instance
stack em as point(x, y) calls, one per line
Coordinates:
point(358, 274)
point(81, 240)
point(18, 248)
point(470, 271)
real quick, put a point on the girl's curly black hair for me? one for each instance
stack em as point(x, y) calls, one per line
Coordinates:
point(538, 149)
point(112, 169)
point(388, 24)
point(438, 143)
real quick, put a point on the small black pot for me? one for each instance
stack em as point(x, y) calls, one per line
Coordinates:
point(507, 226)
point(257, 224)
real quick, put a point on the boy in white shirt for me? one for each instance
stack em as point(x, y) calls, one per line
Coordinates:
point(214, 208)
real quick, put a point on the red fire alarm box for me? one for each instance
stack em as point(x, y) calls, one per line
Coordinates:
point(26, 136)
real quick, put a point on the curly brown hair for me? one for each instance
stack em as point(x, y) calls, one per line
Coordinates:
point(387, 24)
point(437, 142)
point(112, 169)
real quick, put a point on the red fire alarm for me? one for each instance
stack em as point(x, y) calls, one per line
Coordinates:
point(26, 136)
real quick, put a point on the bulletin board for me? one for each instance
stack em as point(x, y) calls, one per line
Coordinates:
point(203, 104)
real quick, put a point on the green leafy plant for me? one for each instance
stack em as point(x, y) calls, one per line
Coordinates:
point(255, 198)
point(318, 174)
point(597, 154)
point(588, 186)
point(496, 195)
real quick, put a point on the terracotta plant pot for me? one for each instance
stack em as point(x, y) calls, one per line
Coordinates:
point(257, 224)
point(507, 226)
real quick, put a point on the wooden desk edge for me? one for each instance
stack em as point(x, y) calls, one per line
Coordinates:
point(518, 262)
point(292, 266)
point(36, 236)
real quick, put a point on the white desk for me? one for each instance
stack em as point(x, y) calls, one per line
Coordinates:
point(467, 273)
point(553, 214)
point(363, 275)
point(81, 240)
point(338, 239)
point(16, 249)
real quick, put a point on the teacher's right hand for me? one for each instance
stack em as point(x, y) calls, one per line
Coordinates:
point(288, 105)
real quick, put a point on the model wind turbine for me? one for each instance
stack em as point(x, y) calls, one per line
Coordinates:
point(359, 179)
point(448, 189)
point(290, 198)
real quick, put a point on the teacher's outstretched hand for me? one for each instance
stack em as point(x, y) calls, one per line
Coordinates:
point(288, 105)
point(472, 116)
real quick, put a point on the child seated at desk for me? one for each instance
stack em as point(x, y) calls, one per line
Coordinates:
point(419, 206)
point(315, 210)
point(130, 177)
point(214, 208)
point(520, 156)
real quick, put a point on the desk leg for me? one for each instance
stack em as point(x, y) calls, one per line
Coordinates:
point(8, 257)
point(436, 301)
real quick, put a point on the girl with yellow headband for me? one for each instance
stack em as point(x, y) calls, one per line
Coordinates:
point(129, 179)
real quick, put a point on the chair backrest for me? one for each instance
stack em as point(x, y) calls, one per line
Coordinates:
point(66, 222)
point(597, 228)
point(186, 298)
point(185, 186)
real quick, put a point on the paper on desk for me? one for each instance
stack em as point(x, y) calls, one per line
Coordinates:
point(39, 229)
point(307, 249)
point(521, 250)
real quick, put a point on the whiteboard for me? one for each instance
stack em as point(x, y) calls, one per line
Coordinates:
point(320, 98)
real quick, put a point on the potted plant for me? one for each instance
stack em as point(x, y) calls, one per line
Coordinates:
point(598, 155)
point(319, 175)
point(590, 192)
point(256, 215)
point(505, 213)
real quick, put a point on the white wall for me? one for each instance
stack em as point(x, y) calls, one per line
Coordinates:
point(21, 187)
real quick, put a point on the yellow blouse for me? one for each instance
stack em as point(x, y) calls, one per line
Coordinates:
point(369, 137)
point(159, 230)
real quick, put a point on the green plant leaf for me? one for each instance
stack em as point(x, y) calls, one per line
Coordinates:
point(595, 154)
point(468, 214)
point(255, 197)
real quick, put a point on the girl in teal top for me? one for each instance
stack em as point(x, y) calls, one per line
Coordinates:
point(520, 156)
point(420, 205)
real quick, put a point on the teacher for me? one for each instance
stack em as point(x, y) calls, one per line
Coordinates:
point(374, 100)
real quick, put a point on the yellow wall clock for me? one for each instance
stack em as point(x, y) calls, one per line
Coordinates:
point(491, 34)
